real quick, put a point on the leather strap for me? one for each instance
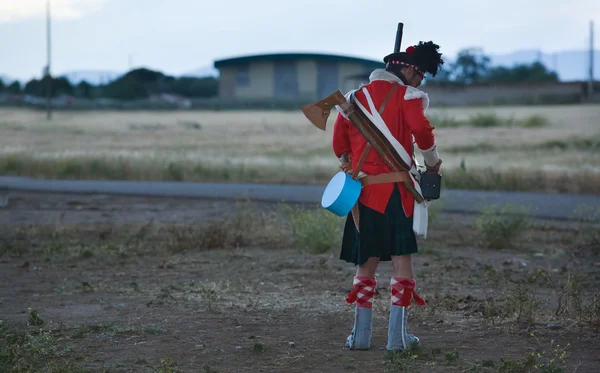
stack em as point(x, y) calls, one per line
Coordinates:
point(390, 177)
point(374, 179)
point(361, 161)
point(387, 98)
point(367, 149)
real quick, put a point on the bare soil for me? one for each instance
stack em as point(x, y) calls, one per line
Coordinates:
point(118, 295)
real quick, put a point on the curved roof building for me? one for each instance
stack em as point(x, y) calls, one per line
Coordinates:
point(293, 76)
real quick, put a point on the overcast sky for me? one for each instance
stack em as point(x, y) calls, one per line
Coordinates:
point(178, 36)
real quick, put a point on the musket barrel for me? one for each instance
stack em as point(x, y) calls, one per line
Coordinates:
point(399, 33)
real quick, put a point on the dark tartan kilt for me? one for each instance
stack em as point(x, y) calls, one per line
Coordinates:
point(381, 235)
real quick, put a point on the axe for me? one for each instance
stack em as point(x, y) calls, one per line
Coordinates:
point(318, 112)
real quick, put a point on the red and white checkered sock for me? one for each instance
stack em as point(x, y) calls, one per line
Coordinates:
point(363, 292)
point(403, 291)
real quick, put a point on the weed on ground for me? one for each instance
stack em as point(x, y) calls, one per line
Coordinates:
point(260, 288)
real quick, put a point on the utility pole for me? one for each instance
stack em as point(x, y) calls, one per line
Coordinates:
point(48, 74)
point(591, 77)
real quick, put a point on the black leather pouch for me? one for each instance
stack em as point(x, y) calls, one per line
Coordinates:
point(430, 185)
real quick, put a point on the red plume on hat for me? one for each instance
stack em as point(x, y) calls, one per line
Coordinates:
point(410, 50)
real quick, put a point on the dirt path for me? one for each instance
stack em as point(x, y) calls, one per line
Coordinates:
point(126, 304)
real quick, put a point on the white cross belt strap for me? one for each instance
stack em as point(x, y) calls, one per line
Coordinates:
point(420, 215)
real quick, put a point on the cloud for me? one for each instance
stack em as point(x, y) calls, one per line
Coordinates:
point(21, 10)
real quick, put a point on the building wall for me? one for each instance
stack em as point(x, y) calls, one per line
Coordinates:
point(312, 81)
point(259, 83)
point(307, 78)
point(347, 74)
point(227, 83)
point(258, 80)
point(254, 80)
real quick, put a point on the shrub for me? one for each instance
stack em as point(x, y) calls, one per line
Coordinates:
point(315, 231)
point(488, 120)
point(535, 121)
point(500, 229)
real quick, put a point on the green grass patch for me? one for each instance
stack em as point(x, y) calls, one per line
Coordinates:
point(135, 170)
point(311, 228)
point(474, 148)
point(316, 231)
point(488, 120)
point(444, 121)
point(416, 359)
point(121, 168)
point(535, 121)
point(39, 349)
point(591, 143)
point(34, 350)
point(500, 227)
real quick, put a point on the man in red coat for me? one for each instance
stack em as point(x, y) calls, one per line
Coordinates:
point(385, 225)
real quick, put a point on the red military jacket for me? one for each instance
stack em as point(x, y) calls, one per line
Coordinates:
point(405, 116)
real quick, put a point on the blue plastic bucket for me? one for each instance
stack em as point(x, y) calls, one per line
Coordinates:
point(341, 194)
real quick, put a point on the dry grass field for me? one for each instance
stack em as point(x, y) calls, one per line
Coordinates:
point(552, 148)
point(121, 284)
point(96, 283)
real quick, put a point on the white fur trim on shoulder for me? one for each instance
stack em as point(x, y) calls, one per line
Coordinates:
point(413, 93)
point(387, 76)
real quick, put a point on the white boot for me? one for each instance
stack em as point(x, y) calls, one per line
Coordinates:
point(398, 338)
point(403, 291)
point(362, 294)
point(360, 337)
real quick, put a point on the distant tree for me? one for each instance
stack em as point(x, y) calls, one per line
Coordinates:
point(14, 88)
point(84, 89)
point(141, 83)
point(444, 75)
point(32, 87)
point(59, 86)
point(471, 66)
point(136, 84)
point(535, 72)
point(196, 87)
point(2, 86)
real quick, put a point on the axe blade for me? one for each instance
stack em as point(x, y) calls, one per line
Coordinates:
point(318, 112)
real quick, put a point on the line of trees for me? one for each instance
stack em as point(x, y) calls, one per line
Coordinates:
point(136, 84)
point(471, 66)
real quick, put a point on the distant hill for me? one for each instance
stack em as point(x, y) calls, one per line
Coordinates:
point(570, 65)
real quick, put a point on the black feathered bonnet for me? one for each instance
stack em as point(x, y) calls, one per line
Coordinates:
point(424, 58)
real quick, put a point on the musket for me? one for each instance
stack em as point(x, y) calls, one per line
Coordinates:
point(318, 113)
